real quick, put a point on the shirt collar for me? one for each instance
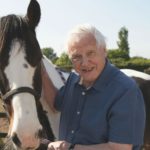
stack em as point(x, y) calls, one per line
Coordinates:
point(105, 77)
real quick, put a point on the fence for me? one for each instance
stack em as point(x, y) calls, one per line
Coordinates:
point(2, 134)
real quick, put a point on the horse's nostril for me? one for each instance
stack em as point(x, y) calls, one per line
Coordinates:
point(16, 140)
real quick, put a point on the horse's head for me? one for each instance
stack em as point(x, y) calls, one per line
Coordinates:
point(20, 81)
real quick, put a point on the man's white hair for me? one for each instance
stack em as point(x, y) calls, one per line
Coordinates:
point(85, 29)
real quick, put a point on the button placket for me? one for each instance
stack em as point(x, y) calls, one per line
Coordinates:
point(83, 93)
point(78, 112)
point(72, 131)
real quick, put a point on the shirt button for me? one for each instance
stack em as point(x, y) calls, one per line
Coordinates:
point(78, 112)
point(72, 131)
point(83, 93)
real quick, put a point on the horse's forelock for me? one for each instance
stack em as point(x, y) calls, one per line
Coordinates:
point(11, 27)
point(16, 27)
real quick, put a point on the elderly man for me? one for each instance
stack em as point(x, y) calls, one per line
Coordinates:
point(101, 108)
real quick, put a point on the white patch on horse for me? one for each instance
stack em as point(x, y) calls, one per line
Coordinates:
point(25, 119)
point(52, 72)
point(134, 73)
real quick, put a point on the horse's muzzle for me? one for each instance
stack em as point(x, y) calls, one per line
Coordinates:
point(43, 145)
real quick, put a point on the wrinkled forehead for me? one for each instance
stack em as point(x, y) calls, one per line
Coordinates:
point(77, 41)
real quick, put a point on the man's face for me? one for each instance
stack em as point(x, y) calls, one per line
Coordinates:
point(88, 59)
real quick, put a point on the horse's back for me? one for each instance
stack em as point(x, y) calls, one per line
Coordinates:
point(135, 73)
point(143, 81)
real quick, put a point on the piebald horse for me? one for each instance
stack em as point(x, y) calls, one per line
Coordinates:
point(30, 119)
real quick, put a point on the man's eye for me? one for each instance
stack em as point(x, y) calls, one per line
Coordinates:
point(76, 58)
point(91, 54)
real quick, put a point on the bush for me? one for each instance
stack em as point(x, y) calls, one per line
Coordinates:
point(116, 54)
point(136, 63)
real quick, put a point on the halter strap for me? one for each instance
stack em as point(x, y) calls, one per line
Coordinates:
point(13, 92)
point(61, 75)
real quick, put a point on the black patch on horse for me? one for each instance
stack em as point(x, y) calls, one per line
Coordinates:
point(145, 88)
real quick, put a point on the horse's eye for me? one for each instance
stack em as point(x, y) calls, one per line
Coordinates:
point(25, 65)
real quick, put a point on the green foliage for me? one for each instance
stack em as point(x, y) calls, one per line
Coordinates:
point(49, 53)
point(123, 40)
point(137, 63)
point(64, 62)
point(120, 57)
point(117, 54)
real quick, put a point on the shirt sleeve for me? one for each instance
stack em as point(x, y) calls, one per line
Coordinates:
point(59, 99)
point(127, 118)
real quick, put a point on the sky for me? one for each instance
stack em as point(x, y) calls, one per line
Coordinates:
point(58, 17)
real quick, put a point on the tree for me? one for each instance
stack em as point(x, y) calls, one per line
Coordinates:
point(64, 62)
point(49, 53)
point(123, 40)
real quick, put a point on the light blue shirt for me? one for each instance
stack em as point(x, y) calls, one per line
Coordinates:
point(111, 110)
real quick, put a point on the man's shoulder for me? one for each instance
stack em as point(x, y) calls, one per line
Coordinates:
point(124, 81)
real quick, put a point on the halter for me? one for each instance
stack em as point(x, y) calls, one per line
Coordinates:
point(13, 92)
point(7, 97)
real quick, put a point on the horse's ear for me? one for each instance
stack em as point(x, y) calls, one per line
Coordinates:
point(33, 14)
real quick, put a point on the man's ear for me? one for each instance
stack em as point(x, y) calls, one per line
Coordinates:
point(105, 51)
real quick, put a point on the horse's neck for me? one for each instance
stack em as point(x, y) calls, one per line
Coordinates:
point(53, 117)
point(53, 73)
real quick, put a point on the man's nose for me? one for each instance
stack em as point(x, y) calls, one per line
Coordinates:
point(84, 61)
